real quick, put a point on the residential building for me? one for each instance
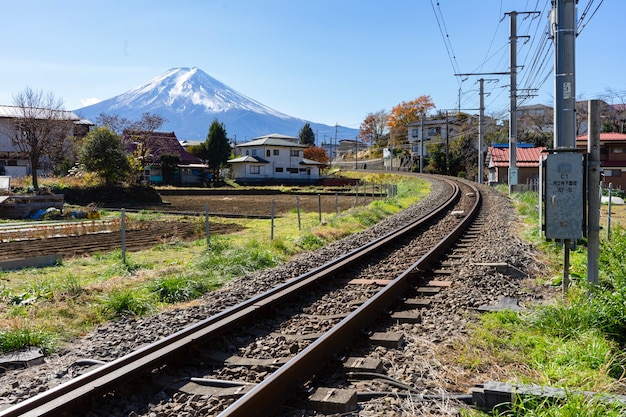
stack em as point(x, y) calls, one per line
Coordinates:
point(14, 162)
point(273, 158)
point(612, 157)
point(527, 163)
point(190, 169)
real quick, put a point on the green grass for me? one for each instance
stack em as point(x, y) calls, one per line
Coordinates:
point(68, 300)
point(576, 342)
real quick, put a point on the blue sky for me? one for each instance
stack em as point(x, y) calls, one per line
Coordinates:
point(327, 61)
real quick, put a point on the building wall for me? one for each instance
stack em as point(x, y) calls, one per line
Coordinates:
point(283, 164)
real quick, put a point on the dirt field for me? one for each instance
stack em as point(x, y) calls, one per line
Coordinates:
point(258, 205)
point(154, 233)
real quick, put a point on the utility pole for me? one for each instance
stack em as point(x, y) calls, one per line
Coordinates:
point(481, 132)
point(447, 147)
point(513, 104)
point(422, 145)
point(563, 30)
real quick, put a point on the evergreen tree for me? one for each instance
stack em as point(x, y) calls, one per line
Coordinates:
point(307, 137)
point(217, 148)
point(102, 153)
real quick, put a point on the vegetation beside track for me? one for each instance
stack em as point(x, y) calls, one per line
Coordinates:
point(576, 342)
point(49, 306)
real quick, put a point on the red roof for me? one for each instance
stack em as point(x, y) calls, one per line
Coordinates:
point(524, 157)
point(608, 136)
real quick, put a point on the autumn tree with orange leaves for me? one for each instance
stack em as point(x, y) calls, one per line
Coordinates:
point(315, 153)
point(373, 129)
point(405, 113)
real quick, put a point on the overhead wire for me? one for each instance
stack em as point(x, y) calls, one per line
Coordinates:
point(446, 38)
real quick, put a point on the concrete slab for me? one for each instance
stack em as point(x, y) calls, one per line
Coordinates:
point(23, 358)
point(358, 364)
point(333, 400)
point(505, 303)
point(392, 340)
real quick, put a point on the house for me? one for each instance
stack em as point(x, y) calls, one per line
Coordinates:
point(15, 162)
point(441, 128)
point(273, 158)
point(190, 170)
point(527, 162)
point(612, 157)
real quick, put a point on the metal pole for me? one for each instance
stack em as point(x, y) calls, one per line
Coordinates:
point(593, 205)
point(566, 267)
point(319, 206)
point(422, 145)
point(272, 231)
point(298, 211)
point(206, 224)
point(481, 132)
point(563, 21)
point(608, 216)
point(123, 236)
point(513, 105)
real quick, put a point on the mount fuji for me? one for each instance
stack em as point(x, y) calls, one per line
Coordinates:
point(190, 99)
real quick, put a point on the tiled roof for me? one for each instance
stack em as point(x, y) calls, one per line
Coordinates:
point(162, 143)
point(608, 136)
point(274, 139)
point(524, 157)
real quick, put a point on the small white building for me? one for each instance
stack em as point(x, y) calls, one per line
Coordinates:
point(272, 159)
point(14, 162)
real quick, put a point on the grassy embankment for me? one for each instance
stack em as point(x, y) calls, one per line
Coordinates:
point(49, 306)
point(576, 342)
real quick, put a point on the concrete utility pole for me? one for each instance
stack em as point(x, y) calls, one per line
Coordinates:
point(481, 131)
point(513, 103)
point(563, 30)
point(593, 205)
point(422, 145)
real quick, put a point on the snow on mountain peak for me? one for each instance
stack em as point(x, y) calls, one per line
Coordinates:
point(179, 88)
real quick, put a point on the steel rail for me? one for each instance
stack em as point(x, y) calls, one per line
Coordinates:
point(65, 397)
point(268, 395)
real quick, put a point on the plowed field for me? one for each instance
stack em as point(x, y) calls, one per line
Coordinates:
point(156, 232)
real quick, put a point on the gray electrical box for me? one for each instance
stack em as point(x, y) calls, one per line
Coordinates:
point(564, 196)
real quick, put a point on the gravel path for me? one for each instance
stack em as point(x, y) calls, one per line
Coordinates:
point(474, 286)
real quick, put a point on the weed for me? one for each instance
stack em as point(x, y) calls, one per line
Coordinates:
point(125, 302)
point(180, 288)
point(11, 340)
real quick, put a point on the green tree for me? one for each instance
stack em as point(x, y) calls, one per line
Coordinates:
point(306, 135)
point(169, 163)
point(135, 131)
point(103, 153)
point(217, 148)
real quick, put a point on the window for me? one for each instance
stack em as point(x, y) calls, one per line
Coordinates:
point(12, 162)
point(276, 152)
point(612, 172)
point(617, 150)
point(255, 169)
point(295, 152)
point(268, 153)
point(292, 170)
point(279, 169)
point(414, 133)
point(434, 131)
point(253, 152)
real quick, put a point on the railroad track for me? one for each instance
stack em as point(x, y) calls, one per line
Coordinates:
point(365, 300)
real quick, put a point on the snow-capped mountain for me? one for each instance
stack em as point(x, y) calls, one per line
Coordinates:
point(190, 100)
